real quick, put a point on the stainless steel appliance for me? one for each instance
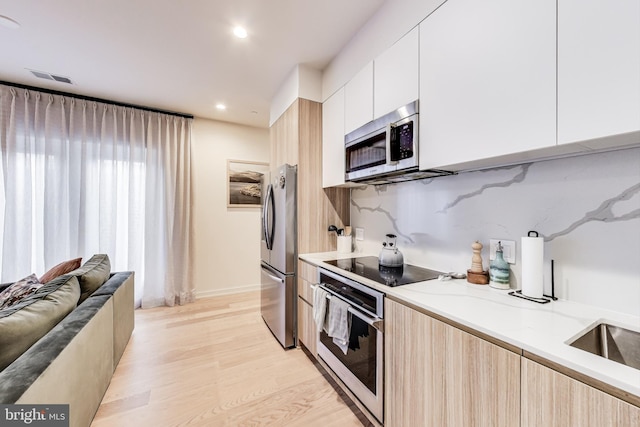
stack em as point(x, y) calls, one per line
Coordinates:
point(361, 368)
point(385, 150)
point(390, 255)
point(370, 268)
point(278, 251)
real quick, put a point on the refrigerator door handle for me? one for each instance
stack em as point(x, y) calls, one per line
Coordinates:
point(269, 219)
point(275, 278)
point(264, 217)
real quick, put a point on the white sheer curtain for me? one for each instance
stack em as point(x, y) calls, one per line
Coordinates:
point(81, 177)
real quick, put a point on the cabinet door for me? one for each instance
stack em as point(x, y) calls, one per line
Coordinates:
point(307, 332)
point(333, 156)
point(395, 75)
point(414, 368)
point(358, 99)
point(284, 136)
point(307, 275)
point(438, 375)
point(487, 80)
point(551, 399)
point(598, 68)
point(482, 382)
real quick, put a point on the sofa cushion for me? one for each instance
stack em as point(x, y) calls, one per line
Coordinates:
point(113, 284)
point(60, 269)
point(22, 324)
point(32, 365)
point(21, 289)
point(92, 274)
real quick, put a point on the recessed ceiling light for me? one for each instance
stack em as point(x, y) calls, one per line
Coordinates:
point(7, 22)
point(221, 106)
point(240, 32)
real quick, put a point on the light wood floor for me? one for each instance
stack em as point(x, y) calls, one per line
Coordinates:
point(215, 363)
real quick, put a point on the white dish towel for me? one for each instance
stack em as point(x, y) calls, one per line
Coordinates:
point(320, 308)
point(339, 323)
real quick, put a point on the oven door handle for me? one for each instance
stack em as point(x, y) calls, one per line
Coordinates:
point(374, 322)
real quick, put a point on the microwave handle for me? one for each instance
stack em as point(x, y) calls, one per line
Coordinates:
point(387, 144)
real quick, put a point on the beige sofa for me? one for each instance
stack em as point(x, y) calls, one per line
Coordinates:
point(74, 362)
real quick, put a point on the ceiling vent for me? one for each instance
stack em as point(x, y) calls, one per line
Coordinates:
point(49, 76)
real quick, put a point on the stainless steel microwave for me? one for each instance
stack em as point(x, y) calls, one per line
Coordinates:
point(385, 150)
point(386, 145)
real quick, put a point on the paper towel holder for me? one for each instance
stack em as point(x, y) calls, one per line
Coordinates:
point(545, 298)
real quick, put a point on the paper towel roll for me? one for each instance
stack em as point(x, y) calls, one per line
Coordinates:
point(532, 265)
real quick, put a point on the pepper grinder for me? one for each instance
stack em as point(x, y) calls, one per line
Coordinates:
point(476, 274)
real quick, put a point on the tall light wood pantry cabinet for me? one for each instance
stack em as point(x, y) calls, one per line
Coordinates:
point(439, 375)
point(296, 138)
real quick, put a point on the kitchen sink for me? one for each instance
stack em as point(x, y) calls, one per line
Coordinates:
point(612, 342)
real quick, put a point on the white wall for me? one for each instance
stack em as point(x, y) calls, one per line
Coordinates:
point(226, 241)
point(303, 82)
point(587, 208)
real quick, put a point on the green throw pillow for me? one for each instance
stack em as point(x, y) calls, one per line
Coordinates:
point(92, 274)
point(21, 329)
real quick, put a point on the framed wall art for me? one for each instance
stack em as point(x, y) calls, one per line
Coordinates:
point(244, 183)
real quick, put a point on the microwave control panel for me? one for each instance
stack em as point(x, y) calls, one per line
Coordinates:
point(402, 141)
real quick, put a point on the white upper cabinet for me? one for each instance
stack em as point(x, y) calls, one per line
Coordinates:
point(598, 68)
point(395, 75)
point(487, 81)
point(358, 99)
point(383, 85)
point(333, 140)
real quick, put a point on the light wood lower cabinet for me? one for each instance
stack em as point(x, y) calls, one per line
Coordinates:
point(482, 382)
point(307, 332)
point(550, 398)
point(437, 375)
point(414, 368)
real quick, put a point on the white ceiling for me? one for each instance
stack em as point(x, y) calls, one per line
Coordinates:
point(177, 55)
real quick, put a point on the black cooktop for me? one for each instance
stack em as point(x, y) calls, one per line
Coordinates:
point(391, 276)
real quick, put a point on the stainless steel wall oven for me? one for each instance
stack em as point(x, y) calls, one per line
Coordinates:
point(361, 368)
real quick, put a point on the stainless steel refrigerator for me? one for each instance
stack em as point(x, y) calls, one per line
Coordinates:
point(278, 251)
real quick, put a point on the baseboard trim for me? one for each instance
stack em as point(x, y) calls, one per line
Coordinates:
point(227, 291)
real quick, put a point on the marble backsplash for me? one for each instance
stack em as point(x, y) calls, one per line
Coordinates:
point(587, 208)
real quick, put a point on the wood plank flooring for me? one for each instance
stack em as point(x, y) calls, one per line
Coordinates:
point(215, 363)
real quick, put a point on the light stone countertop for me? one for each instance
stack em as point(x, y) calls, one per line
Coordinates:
point(541, 329)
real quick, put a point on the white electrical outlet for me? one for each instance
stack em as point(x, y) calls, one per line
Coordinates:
point(508, 250)
point(359, 233)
